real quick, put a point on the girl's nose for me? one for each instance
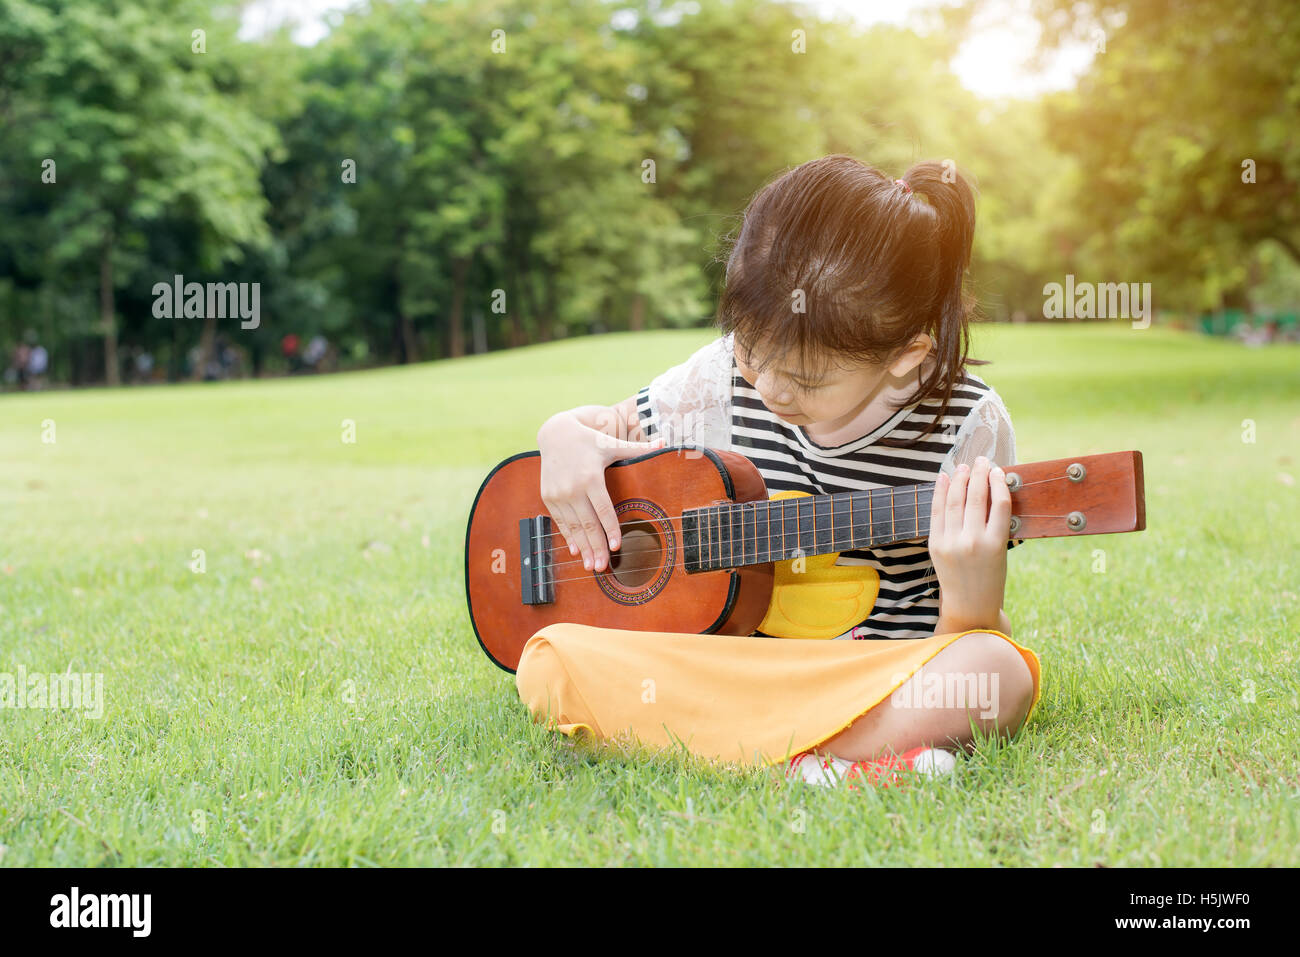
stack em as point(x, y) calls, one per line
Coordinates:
point(763, 385)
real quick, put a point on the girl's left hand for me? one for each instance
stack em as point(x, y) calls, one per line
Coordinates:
point(970, 524)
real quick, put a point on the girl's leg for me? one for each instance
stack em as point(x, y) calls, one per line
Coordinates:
point(979, 678)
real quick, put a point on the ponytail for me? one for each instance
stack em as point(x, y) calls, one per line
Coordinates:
point(951, 199)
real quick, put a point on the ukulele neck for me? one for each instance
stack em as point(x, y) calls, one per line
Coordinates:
point(737, 534)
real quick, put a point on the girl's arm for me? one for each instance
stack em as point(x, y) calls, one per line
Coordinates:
point(1004, 623)
point(618, 421)
point(947, 626)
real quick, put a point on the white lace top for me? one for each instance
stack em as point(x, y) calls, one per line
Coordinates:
point(705, 401)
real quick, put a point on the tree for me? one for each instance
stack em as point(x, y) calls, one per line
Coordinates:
point(1184, 106)
point(140, 126)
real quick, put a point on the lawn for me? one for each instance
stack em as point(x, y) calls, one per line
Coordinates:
point(314, 694)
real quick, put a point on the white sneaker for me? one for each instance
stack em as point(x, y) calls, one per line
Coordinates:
point(824, 770)
point(830, 770)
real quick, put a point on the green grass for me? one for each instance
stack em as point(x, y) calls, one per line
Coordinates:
point(317, 696)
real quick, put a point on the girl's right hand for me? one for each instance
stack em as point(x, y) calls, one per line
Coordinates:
point(574, 459)
point(970, 524)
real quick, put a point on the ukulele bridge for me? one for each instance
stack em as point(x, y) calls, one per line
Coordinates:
point(536, 581)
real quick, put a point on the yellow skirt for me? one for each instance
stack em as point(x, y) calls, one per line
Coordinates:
point(752, 700)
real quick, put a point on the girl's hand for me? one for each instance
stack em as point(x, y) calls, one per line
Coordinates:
point(970, 524)
point(574, 458)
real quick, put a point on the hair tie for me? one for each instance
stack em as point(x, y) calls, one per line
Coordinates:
point(903, 183)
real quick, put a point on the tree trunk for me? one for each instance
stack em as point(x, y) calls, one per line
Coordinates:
point(636, 321)
point(405, 328)
point(456, 321)
point(546, 314)
point(1254, 276)
point(206, 337)
point(516, 330)
point(1237, 297)
point(111, 375)
point(519, 307)
point(410, 349)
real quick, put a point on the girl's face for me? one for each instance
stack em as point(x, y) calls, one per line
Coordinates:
point(831, 393)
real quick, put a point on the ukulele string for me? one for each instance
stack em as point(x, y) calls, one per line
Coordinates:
point(670, 519)
point(587, 574)
point(764, 540)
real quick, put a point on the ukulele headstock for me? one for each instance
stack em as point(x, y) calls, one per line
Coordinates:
point(1079, 495)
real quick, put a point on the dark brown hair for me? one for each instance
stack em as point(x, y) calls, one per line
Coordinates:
point(877, 263)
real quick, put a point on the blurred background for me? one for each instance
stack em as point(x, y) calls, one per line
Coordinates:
point(408, 181)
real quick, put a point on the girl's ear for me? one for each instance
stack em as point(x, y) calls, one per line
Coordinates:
point(913, 355)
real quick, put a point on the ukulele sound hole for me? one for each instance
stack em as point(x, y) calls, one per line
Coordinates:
point(637, 559)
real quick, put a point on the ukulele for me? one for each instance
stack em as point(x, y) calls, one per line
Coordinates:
point(700, 536)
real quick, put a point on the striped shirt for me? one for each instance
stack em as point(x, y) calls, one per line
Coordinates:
point(706, 401)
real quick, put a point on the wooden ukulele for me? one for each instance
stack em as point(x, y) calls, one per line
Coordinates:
point(700, 535)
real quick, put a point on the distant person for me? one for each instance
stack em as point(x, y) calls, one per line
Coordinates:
point(227, 357)
point(317, 348)
point(144, 365)
point(17, 371)
point(38, 363)
point(289, 349)
point(214, 366)
point(1254, 335)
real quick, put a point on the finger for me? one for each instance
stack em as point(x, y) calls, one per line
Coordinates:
point(615, 449)
point(937, 503)
point(955, 507)
point(605, 514)
point(977, 499)
point(1000, 505)
point(595, 550)
point(580, 536)
point(557, 523)
point(572, 529)
point(558, 537)
point(603, 420)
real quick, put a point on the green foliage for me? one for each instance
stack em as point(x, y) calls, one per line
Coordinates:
point(1183, 97)
point(145, 135)
point(433, 174)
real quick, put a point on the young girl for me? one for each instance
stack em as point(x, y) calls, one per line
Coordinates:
point(842, 366)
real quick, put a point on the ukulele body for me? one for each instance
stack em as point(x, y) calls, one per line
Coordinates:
point(646, 587)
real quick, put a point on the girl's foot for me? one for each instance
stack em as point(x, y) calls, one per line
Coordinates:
point(818, 769)
point(883, 771)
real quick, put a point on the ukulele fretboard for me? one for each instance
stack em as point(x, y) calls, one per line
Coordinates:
point(751, 533)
